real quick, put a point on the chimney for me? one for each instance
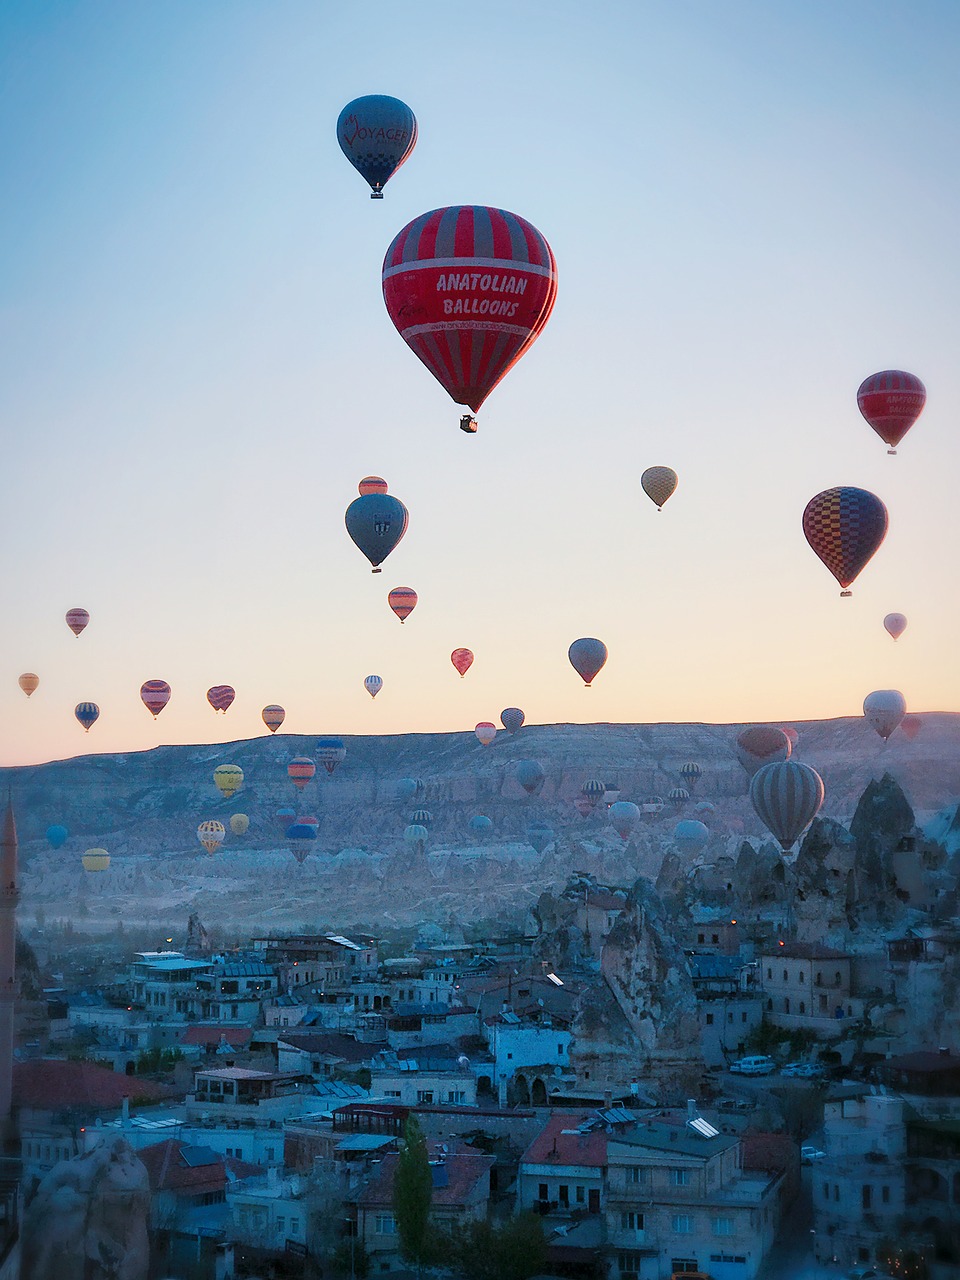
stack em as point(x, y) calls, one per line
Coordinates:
point(9, 897)
point(691, 1109)
point(125, 1113)
point(608, 1098)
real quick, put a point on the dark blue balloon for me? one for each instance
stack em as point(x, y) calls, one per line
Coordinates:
point(376, 522)
point(57, 836)
point(377, 134)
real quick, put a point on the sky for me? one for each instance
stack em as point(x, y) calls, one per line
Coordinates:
point(752, 207)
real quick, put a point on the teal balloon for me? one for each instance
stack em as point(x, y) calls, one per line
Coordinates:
point(539, 835)
point(479, 824)
point(376, 522)
point(57, 836)
point(377, 133)
point(530, 776)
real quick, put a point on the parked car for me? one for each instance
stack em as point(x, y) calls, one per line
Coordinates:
point(810, 1070)
point(791, 1069)
point(758, 1065)
point(809, 1154)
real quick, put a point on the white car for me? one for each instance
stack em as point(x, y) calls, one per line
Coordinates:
point(757, 1065)
point(809, 1154)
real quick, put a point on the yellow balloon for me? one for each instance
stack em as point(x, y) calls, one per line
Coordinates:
point(210, 835)
point(95, 860)
point(239, 824)
point(228, 778)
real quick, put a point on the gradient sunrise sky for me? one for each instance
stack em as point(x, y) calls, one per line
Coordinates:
point(752, 206)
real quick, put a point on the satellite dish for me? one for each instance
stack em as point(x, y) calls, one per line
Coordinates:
point(558, 1072)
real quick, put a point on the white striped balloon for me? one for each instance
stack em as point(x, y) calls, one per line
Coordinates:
point(884, 709)
point(787, 797)
point(373, 685)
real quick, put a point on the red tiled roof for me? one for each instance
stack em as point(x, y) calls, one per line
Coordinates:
point(464, 1171)
point(237, 1037)
point(330, 1044)
point(51, 1084)
point(168, 1171)
point(553, 1146)
point(771, 1152)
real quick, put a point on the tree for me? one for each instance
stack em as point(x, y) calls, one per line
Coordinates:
point(412, 1193)
point(515, 1250)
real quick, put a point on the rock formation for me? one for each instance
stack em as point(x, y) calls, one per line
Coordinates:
point(88, 1220)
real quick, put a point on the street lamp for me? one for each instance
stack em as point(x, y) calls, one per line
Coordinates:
point(353, 1235)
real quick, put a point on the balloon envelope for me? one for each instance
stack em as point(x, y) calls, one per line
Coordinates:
point(210, 835)
point(228, 779)
point(539, 836)
point(221, 697)
point(29, 682)
point(910, 726)
point(57, 836)
point(372, 484)
point(422, 818)
point(594, 789)
point(403, 601)
point(845, 526)
point(587, 657)
point(377, 133)
point(659, 483)
point(895, 624)
point(330, 753)
point(273, 717)
point(415, 834)
point(469, 288)
point(373, 685)
point(300, 770)
point(884, 709)
point(462, 659)
point(376, 522)
point(690, 834)
point(891, 402)
point(88, 713)
point(678, 797)
point(77, 619)
point(691, 773)
point(787, 797)
point(624, 816)
point(479, 824)
point(530, 775)
point(407, 788)
point(95, 860)
point(155, 694)
point(239, 824)
point(486, 732)
point(511, 718)
point(760, 745)
point(286, 817)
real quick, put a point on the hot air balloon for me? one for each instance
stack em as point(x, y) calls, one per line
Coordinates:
point(891, 402)
point(377, 133)
point(705, 808)
point(57, 836)
point(792, 735)
point(273, 717)
point(301, 837)
point(286, 818)
point(652, 806)
point(309, 820)
point(678, 797)
point(690, 835)
point(95, 860)
point(910, 726)
point(422, 818)
point(624, 816)
point(330, 753)
point(407, 788)
point(486, 732)
point(587, 657)
point(155, 694)
point(691, 774)
point(29, 683)
point(659, 483)
point(479, 824)
point(376, 523)
point(760, 745)
point(884, 709)
point(77, 619)
point(88, 713)
point(371, 484)
point(594, 790)
point(462, 659)
point(228, 779)
point(403, 601)
point(469, 288)
point(373, 685)
point(530, 776)
point(845, 527)
point(300, 770)
point(239, 824)
point(611, 793)
point(895, 624)
point(539, 835)
point(220, 697)
point(210, 835)
point(787, 797)
point(415, 834)
point(511, 718)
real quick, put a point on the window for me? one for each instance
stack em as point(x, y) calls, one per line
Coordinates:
point(564, 1193)
point(391, 1093)
point(281, 1225)
point(785, 975)
point(836, 979)
point(386, 1224)
point(714, 937)
point(723, 1226)
point(729, 1018)
point(680, 1177)
point(294, 1226)
point(424, 1095)
point(270, 1155)
point(866, 1195)
point(581, 1195)
point(700, 937)
point(709, 1019)
point(803, 1007)
point(770, 974)
point(457, 1096)
point(560, 1050)
point(509, 1056)
point(636, 1174)
point(786, 1004)
point(542, 1192)
point(826, 1191)
point(680, 1224)
point(885, 1194)
point(800, 977)
point(631, 1221)
point(629, 1265)
point(682, 1265)
point(743, 1016)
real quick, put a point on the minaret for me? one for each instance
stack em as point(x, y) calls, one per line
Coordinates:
point(9, 897)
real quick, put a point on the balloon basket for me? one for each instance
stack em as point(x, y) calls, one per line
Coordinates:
point(843, 594)
point(468, 424)
point(376, 195)
point(892, 453)
point(376, 570)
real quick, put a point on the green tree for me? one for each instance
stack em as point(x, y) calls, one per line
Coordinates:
point(515, 1250)
point(412, 1194)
